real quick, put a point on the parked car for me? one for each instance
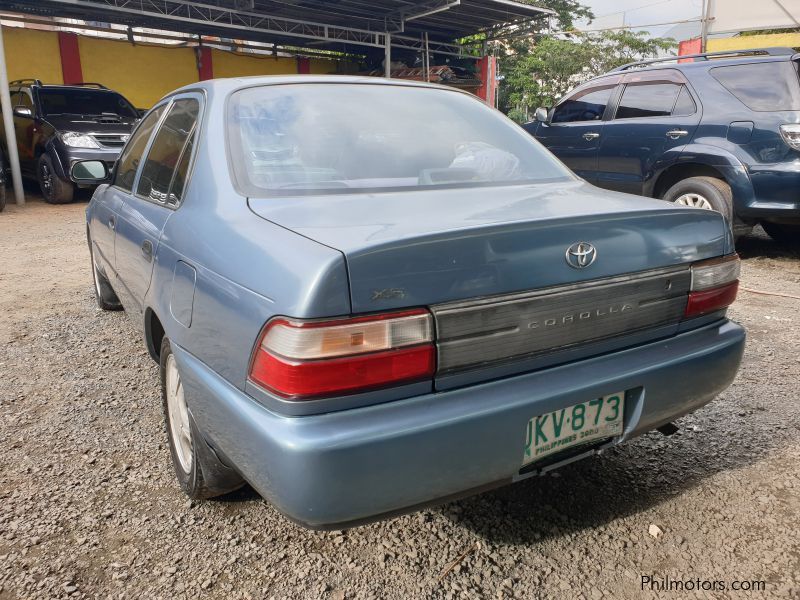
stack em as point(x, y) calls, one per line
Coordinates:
point(366, 295)
point(57, 125)
point(720, 131)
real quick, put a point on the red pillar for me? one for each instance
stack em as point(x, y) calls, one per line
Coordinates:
point(70, 57)
point(694, 46)
point(205, 65)
point(487, 70)
point(303, 65)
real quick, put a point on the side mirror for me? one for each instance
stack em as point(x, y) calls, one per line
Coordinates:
point(22, 111)
point(89, 171)
point(541, 115)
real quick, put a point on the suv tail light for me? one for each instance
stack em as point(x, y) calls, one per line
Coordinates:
point(791, 135)
point(714, 285)
point(311, 359)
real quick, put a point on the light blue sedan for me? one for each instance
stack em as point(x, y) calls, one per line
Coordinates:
point(368, 296)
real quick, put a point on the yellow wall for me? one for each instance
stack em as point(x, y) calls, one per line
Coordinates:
point(141, 73)
point(791, 40)
point(230, 64)
point(32, 54)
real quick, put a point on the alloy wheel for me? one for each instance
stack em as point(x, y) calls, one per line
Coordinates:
point(694, 200)
point(178, 415)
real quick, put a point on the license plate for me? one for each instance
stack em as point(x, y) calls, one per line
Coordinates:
point(572, 426)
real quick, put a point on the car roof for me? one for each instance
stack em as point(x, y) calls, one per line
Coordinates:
point(227, 85)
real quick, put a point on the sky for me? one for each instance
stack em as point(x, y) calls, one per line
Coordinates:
point(613, 13)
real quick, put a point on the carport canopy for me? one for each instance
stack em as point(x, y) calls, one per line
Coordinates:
point(351, 26)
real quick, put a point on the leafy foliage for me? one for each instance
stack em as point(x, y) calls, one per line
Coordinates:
point(539, 67)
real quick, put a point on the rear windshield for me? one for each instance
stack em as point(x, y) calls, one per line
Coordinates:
point(325, 138)
point(86, 102)
point(762, 86)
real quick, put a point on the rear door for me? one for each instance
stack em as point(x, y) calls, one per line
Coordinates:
point(655, 117)
point(144, 212)
point(575, 128)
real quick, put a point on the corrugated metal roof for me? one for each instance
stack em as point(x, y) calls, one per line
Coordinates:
point(322, 24)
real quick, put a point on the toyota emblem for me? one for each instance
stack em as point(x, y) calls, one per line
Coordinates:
point(580, 255)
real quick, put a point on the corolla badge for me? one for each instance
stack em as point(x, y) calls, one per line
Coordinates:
point(580, 255)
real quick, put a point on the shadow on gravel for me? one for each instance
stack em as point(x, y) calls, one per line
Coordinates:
point(759, 245)
point(628, 479)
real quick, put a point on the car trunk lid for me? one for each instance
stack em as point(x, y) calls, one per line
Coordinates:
point(428, 247)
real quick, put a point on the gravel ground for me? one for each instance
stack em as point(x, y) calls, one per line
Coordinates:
point(89, 507)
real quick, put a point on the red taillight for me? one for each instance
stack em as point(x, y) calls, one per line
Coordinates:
point(311, 359)
point(714, 285)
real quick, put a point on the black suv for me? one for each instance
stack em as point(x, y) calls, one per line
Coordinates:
point(56, 125)
point(719, 131)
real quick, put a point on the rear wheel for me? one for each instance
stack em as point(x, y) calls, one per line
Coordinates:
point(708, 193)
point(54, 189)
point(788, 235)
point(104, 294)
point(199, 471)
point(2, 183)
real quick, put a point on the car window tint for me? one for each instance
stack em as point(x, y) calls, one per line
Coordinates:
point(647, 100)
point(165, 152)
point(585, 105)
point(685, 104)
point(132, 153)
point(762, 86)
point(179, 179)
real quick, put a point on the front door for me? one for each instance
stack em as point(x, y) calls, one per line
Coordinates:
point(575, 128)
point(144, 212)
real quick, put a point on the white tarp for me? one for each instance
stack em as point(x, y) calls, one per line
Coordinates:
point(746, 15)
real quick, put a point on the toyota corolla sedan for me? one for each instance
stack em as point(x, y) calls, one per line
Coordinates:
point(367, 296)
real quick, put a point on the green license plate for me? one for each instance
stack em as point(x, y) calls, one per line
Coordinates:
point(572, 426)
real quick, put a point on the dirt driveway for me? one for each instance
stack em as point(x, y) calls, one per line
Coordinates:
point(89, 507)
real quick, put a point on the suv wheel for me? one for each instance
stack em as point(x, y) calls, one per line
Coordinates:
point(199, 471)
point(54, 189)
point(709, 193)
point(788, 235)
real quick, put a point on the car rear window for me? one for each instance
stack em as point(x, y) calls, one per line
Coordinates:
point(329, 137)
point(762, 86)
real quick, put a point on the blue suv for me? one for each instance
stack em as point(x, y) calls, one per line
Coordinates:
point(717, 130)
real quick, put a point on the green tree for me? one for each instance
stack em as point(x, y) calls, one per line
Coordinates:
point(539, 67)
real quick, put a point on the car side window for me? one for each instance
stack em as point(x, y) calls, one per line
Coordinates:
point(585, 105)
point(685, 105)
point(647, 100)
point(166, 150)
point(181, 172)
point(129, 161)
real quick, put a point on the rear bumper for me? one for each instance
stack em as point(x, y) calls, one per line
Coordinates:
point(776, 194)
point(338, 468)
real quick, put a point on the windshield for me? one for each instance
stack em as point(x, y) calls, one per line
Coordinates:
point(86, 102)
point(323, 138)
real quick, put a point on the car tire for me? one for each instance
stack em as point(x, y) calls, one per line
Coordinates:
point(104, 294)
point(54, 189)
point(198, 469)
point(703, 192)
point(2, 182)
point(786, 235)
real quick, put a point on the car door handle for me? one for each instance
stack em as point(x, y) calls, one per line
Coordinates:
point(147, 250)
point(591, 136)
point(112, 223)
point(677, 133)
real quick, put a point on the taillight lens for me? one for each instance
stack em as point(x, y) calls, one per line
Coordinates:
point(715, 284)
point(311, 359)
